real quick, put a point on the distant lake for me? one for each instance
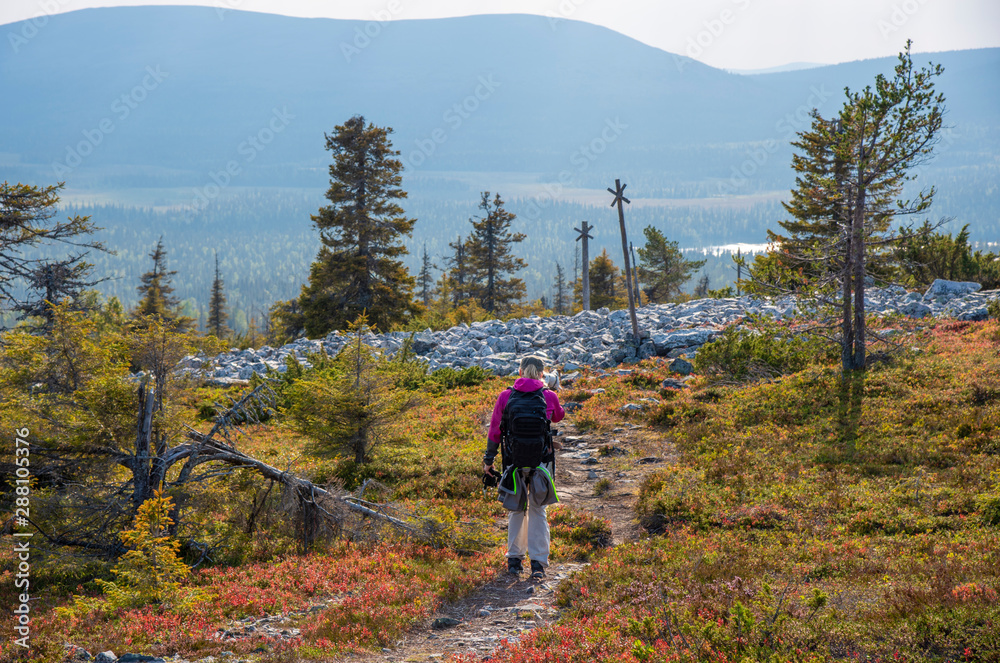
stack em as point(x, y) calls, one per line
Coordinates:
point(723, 249)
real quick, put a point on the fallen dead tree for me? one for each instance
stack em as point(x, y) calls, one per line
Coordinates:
point(319, 510)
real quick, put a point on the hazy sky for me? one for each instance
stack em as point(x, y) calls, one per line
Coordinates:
point(734, 34)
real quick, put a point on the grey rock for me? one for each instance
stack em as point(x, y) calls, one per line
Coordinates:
point(620, 316)
point(915, 310)
point(445, 622)
point(106, 657)
point(246, 372)
point(139, 658)
point(673, 384)
point(683, 338)
point(942, 290)
point(681, 366)
point(191, 361)
point(974, 315)
point(423, 342)
point(227, 382)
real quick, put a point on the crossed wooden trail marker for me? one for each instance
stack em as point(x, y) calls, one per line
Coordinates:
point(619, 194)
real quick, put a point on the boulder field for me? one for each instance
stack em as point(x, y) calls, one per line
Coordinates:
point(599, 339)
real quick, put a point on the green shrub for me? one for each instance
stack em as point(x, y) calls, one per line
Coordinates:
point(447, 378)
point(355, 405)
point(150, 572)
point(586, 423)
point(673, 495)
point(766, 350)
point(989, 509)
point(993, 308)
point(578, 534)
point(644, 380)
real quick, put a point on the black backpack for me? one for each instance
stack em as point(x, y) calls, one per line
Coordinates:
point(527, 434)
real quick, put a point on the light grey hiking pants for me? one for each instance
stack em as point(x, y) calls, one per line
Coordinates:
point(528, 531)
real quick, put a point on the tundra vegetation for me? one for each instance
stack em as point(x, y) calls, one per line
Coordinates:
point(804, 516)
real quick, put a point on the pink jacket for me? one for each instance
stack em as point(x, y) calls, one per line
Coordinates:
point(553, 410)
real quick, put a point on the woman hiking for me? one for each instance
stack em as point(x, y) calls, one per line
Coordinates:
point(519, 429)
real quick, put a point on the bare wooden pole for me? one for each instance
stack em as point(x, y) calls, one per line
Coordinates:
point(635, 276)
point(584, 231)
point(619, 193)
point(739, 270)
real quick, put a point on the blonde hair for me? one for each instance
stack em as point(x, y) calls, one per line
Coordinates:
point(532, 367)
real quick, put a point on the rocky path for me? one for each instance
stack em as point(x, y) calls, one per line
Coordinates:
point(510, 607)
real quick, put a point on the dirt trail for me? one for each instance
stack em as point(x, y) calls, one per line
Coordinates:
point(509, 607)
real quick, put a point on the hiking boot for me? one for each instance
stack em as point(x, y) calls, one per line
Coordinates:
point(537, 570)
point(514, 566)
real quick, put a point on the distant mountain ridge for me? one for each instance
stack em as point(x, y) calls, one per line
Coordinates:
point(791, 66)
point(178, 96)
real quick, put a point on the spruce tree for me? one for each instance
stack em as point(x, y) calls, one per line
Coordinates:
point(662, 267)
point(425, 281)
point(458, 271)
point(217, 305)
point(559, 298)
point(155, 289)
point(357, 407)
point(55, 282)
point(358, 268)
point(701, 290)
point(607, 284)
point(491, 263)
point(26, 224)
